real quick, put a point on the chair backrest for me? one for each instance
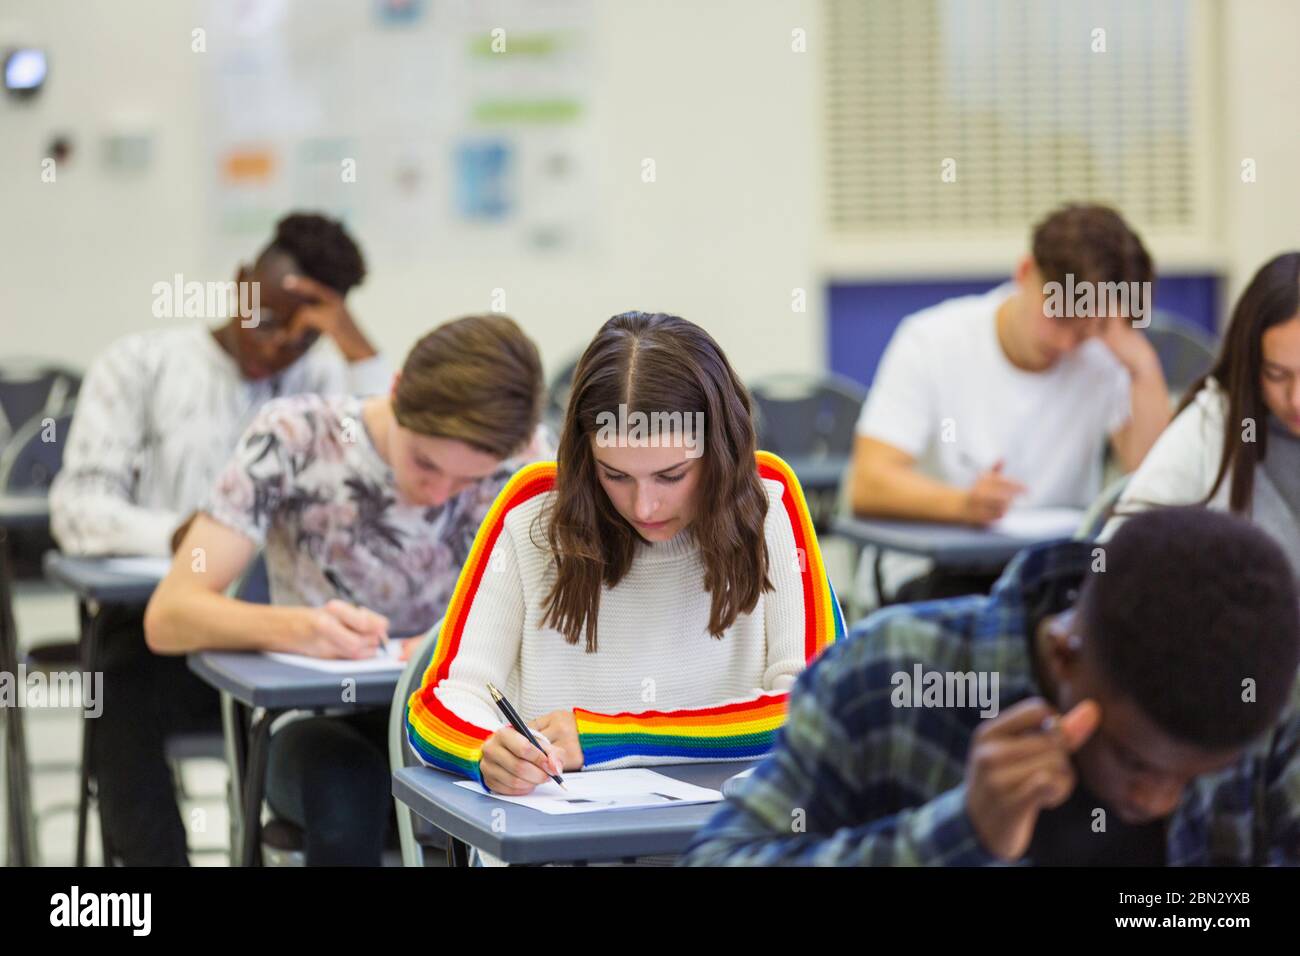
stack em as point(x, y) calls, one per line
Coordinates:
point(557, 396)
point(1186, 351)
point(31, 460)
point(255, 586)
point(409, 830)
point(1099, 511)
point(807, 416)
point(33, 389)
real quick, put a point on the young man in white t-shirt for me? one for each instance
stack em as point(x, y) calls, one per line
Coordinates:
point(1010, 397)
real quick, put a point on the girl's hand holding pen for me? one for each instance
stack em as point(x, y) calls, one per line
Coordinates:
point(561, 727)
point(510, 765)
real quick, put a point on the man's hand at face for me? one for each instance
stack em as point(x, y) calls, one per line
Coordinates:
point(1128, 344)
point(324, 311)
point(1019, 765)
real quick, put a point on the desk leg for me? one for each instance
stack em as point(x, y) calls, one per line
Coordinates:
point(22, 829)
point(457, 852)
point(877, 574)
point(259, 742)
point(21, 843)
point(90, 663)
point(234, 734)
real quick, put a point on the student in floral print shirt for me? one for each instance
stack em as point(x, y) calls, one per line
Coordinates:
point(365, 510)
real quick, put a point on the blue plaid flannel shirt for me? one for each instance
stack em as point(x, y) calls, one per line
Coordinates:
point(854, 780)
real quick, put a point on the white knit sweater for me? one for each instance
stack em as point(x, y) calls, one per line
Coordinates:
point(654, 650)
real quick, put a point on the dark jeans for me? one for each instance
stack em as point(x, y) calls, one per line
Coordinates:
point(327, 775)
point(146, 697)
point(945, 584)
point(330, 776)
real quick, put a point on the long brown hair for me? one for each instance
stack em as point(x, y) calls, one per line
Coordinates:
point(656, 363)
point(1272, 297)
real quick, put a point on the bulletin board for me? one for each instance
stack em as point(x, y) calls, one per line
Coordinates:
point(436, 128)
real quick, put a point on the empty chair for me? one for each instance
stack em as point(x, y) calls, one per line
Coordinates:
point(30, 389)
point(809, 421)
point(1186, 351)
point(807, 416)
point(33, 457)
point(557, 395)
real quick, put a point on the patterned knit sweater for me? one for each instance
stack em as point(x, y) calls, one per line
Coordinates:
point(659, 689)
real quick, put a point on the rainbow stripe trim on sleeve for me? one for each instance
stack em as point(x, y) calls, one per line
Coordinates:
point(438, 736)
point(743, 728)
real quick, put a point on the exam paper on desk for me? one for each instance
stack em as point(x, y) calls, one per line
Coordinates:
point(593, 790)
point(145, 567)
point(388, 659)
point(1039, 523)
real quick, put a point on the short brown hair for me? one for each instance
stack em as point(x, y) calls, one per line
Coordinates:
point(478, 380)
point(1091, 242)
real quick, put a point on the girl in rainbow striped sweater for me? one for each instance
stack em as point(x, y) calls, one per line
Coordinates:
point(649, 598)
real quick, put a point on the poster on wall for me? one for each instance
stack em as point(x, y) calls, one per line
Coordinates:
point(435, 128)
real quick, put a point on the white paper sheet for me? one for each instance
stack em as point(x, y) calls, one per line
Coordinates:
point(607, 790)
point(386, 660)
point(1039, 524)
point(730, 785)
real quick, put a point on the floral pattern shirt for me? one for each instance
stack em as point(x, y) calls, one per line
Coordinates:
point(308, 486)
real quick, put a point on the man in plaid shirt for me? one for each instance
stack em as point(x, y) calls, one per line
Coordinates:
point(1147, 712)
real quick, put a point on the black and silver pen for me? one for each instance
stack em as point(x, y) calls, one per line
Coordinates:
point(518, 724)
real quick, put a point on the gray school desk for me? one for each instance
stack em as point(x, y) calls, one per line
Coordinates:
point(947, 545)
point(269, 688)
point(96, 587)
point(531, 836)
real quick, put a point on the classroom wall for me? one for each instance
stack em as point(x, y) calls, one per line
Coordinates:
point(1261, 94)
point(711, 91)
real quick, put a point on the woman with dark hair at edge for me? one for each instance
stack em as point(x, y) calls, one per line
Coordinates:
point(1235, 443)
point(648, 598)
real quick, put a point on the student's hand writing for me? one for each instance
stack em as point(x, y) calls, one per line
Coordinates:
point(1018, 766)
point(510, 765)
point(561, 728)
point(989, 498)
point(340, 630)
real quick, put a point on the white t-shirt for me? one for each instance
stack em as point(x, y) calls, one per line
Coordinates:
point(158, 416)
point(947, 394)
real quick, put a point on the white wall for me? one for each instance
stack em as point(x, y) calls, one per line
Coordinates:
point(710, 90)
point(1261, 90)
